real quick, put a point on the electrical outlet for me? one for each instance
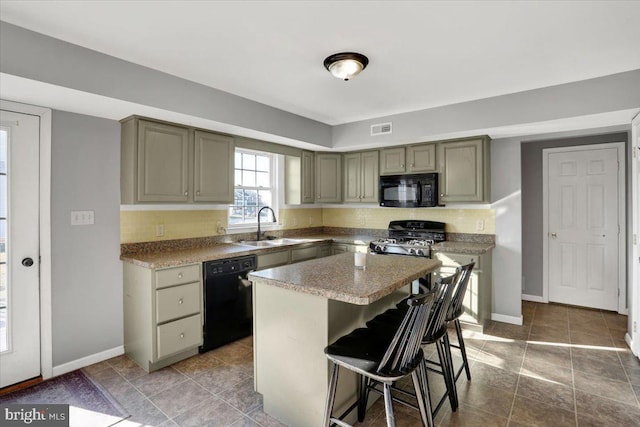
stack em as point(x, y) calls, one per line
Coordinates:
point(480, 225)
point(159, 230)
point(82, 218)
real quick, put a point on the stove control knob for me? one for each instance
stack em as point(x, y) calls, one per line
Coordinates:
point(378, 248)
point(419, 252)
point(411, 251)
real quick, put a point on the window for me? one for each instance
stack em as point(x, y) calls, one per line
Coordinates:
point(254, 187)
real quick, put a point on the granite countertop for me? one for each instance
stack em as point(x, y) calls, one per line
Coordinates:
point(470, 248)
point(336, 277)
point(227, 250)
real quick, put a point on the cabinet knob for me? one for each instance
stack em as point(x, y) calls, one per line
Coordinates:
point(197, 193)
point(179, 275)
point(186, 193)
point(180, 301)
point(182, 335)
point(402, 165)
point(413, 165)
point(441, 194)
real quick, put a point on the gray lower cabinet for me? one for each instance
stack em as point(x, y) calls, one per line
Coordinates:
point(341, 248)
point(477, 300)
point(274, 259)
point(167, 163)
point(361, 177)
point(328, 178)
point(465, 170)
point(162, 314)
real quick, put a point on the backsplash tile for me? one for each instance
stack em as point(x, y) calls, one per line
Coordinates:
point(457, 220)
point(141, 226)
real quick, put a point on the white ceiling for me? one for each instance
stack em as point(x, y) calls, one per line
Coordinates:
point(422, 54)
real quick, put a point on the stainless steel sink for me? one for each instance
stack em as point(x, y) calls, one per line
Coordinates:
point(274, 242)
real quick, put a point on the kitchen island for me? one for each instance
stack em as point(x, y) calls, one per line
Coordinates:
point(299, 309)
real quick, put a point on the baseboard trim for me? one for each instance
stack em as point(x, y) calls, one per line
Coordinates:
point(87, 360)
point(514, 320)
point(533, 298)
point(629, 342)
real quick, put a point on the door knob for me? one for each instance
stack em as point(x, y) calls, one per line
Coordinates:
point(554, 235)
point(27, 262)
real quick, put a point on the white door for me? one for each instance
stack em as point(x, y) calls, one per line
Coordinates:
point(19, 248)
point(583, 246)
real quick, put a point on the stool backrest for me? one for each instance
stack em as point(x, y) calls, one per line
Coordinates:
point(401, 355)
point(442, 291)
point(463, 275)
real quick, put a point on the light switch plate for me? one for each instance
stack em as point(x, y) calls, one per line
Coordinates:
point(82, 218)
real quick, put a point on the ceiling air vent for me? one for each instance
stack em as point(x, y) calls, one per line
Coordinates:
point(381, 129)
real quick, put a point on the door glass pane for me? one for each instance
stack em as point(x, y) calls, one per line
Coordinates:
point(4, 292)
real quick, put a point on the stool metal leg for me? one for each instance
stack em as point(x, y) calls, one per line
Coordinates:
point(363, 396)
point(331, 394)
point(388, 406)
point(465, 362)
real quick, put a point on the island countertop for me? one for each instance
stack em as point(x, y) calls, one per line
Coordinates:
point(337, 278)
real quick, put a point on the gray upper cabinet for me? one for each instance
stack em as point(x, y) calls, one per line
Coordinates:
point(158, 158)
point(465, 174)
point(299, 178)
point(161, 164)
point(213, 174)
point(308, 177)
point(410, 159)
point(328, 178)
point(361, 177)
point(421, 158)
point(392, 161)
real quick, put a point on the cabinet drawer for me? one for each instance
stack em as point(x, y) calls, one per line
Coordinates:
point(303, 254)
point(324, 251)
point(180, 335)
point(178, 301)
point(273, 259)
point(178, 275)
point(455, 260)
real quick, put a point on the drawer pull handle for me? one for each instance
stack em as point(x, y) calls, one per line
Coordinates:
point(180, 301)
point(182, 335)
point(179, 275)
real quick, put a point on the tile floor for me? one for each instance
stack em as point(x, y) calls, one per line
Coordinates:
point(565, 366)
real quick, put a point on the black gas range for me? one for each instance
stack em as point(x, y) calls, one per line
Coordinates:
point(410, 237)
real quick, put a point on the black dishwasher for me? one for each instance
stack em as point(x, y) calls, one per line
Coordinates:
point(228, 311)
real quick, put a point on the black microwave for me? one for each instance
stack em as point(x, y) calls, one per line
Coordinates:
point(409, 191)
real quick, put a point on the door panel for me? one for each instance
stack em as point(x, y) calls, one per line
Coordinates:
point(19, 240)
point(583, 227)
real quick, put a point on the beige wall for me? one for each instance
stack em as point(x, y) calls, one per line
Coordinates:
point(140, 226)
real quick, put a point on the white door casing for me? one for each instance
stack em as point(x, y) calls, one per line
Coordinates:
point(633, 338)
point(20, 359)
point(584, 210)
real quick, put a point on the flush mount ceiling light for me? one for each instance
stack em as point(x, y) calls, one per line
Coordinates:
point(346, 65)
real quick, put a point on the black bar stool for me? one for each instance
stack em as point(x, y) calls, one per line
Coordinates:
point(435, 333)
point(384, 358)
point(455, 311)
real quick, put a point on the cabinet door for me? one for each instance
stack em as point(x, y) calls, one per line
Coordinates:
point(421, 158)
point(213, 179)
point(307, 177)
point(462, 177)
point(328, 178)
point(392, 161)
point(352, 177)
point(369, 165)
point(163, 163)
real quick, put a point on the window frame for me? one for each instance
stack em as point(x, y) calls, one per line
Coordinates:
point(273, 187)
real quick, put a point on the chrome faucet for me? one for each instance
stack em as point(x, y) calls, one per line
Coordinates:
point(274, 219)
